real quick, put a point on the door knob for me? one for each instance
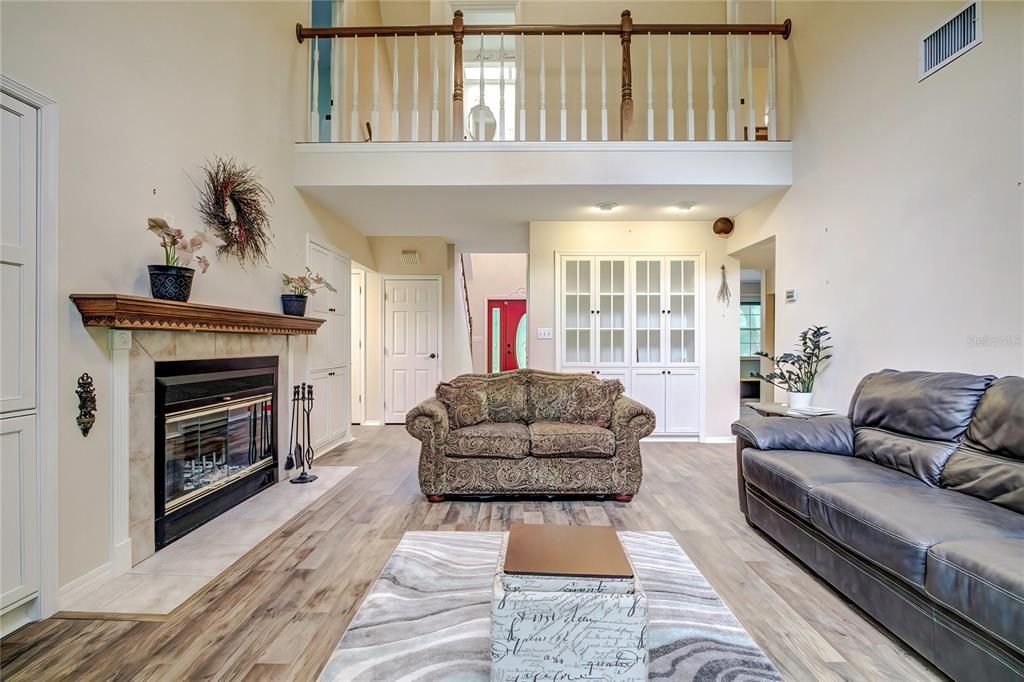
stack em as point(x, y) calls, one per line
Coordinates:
point(433, 355)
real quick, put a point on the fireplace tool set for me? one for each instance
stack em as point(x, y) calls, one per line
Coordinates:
point(300, 451)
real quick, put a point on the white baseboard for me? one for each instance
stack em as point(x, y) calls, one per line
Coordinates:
point(83, 584)
point(671, 438)
point(372, 422)
point(719, 439)
point(19, 616)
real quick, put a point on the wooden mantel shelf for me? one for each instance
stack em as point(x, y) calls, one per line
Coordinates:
point(120, 311)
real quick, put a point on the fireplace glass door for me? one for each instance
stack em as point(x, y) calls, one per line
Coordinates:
point(208, 447)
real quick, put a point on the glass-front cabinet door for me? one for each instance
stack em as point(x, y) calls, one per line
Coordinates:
point(681, 311)
point(648, 310)
point(611, 311)
point(577, 311)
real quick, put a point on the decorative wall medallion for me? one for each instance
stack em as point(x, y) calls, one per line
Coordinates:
point(86, 403)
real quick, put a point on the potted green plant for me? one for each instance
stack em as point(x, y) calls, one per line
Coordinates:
point(796, 371)
point(172, 281)
point(300, 288)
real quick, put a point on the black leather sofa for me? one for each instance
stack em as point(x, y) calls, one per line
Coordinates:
point(912, 507)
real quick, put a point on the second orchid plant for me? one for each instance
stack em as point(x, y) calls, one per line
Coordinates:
point(179, 251)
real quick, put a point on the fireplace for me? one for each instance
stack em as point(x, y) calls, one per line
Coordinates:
point(215, 439)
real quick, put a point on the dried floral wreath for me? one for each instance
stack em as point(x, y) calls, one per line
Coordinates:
point(234, 204)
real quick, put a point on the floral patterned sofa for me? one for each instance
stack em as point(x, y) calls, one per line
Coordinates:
point(530, 432)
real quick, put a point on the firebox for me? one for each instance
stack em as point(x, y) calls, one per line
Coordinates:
point(216, 439)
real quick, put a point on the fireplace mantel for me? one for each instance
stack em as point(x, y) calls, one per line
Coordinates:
point(121, 311)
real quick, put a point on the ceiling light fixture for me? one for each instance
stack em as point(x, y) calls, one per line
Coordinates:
point(606, 206)
point(686, 205)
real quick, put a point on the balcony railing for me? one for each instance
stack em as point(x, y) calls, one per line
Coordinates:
point(543, 82)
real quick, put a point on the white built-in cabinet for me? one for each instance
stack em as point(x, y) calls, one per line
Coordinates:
point(637, 319)
point(330, 353)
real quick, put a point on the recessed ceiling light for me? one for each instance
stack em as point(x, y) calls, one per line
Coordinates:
point(686, 205)
point(606, 206)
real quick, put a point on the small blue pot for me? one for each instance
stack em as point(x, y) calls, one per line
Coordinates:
point(293, 304)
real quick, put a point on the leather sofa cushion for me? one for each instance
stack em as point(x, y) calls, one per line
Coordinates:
point(982, 580)
point(789, 475)
point(919, 458)
point(990, 462)
point(894, 525)
point(502, 440)
point(558, 439)
point(929, 405)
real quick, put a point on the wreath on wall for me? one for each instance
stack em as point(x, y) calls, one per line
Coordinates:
point(233, 203)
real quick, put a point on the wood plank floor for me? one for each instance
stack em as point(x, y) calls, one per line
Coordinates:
point(277, 613)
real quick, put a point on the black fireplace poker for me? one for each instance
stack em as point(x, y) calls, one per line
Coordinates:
point(303, 454)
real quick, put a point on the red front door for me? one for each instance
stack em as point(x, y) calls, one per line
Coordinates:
point(506, 334)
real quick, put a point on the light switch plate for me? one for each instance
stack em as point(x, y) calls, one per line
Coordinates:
point(791, 296)
point(545, 333)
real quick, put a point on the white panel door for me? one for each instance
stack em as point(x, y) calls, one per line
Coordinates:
point(411, 312)
point(320, 417)
point(319, 260)
point(648, 387)
point(19, 558)
point(356, 348)
point(338, 354)
point(19, 147)
point(682, 401)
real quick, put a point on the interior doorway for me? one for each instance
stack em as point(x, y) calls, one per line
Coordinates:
point(756, 321)
point(506, 334)
point(412, 343)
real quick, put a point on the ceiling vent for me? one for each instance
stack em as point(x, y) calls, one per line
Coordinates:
point(410, 257)
point(955, 36)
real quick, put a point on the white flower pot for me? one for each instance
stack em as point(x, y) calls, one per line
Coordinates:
point(799, 400)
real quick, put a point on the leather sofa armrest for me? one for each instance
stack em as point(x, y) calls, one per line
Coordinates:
point(833, 434)
point(631, 417)
point(428, 422)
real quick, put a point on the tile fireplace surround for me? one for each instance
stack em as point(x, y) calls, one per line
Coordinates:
point(133, 354)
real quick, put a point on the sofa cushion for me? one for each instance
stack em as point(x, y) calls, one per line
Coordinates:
point(833, 434)
point(466, 405)
point(894, 525)
point(789, 475)
point(547, 393)
point(982, 580)
point(506, 394)
point(990, 462)
point(591, 402)
point(559, 439)
point(912, 421)
point(508, 440)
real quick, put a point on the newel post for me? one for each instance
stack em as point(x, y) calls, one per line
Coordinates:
point(626, 106)
point(458, 121)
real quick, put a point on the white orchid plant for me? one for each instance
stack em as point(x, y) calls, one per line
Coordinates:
point(301, 285)
point(179, 251)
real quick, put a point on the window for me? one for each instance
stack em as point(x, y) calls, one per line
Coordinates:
point(750, 328)
point(499, 66)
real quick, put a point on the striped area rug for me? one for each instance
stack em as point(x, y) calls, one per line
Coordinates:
point(427, 617)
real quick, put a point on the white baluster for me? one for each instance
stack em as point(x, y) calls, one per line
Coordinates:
point(414, 124)
point(543, 105)
point(711, 94)
point(751, 121)
point(434, 121)
point(561, 94)
point(583, 86)
point(521, 85)
point(501, 87)
point(604, 92)
point(671, 115)
point(375, 105)
point(394, 90)
point(314, 109)
point(730, 94)
point(336, 65)
point(481, 133)
point(690, 133)
point(770, 104)
point(650, 91)
point(355, 123)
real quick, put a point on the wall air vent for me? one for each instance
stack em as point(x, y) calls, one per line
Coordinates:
point(955, 36)
point(410, 257)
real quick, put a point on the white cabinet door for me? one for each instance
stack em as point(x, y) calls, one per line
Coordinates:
point(338, 388)
point(681, 303)
point(356, 409)
point(320, 417)
point(19, 555)
point(18, 145)
point(648, 311)
point(610, 312)
point(682, 401)
point(648, 387)
point(319, 260)
point(608, 373)
point(577, 311)
point(340, 276)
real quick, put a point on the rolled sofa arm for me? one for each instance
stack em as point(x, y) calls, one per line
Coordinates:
point(428, 422)
point(631, 417)
point(833, 434)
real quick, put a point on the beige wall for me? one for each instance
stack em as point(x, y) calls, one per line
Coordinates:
point(146, 92)
point(495, 275)
point(904, 228)
point(722, 336)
